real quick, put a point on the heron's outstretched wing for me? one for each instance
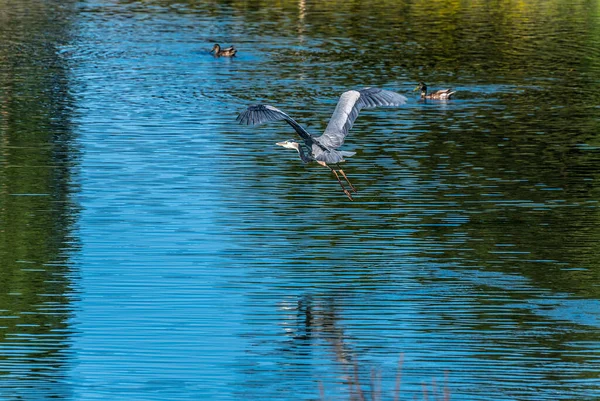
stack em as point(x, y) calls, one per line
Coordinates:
point(347, 109)
point(262, 113)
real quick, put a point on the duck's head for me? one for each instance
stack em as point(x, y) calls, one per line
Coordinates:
point(422, 87)
point(216, 48)
point(289, 144)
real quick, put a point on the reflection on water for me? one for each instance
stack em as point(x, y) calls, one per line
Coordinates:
point(37, 165)
point(155, 250)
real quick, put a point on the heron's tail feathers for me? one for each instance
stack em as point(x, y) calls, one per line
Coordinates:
point(332, 156)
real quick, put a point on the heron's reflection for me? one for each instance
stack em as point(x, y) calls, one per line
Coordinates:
point(317, 322)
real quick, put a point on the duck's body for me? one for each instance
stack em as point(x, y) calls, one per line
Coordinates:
point(223, 52)
point(443, 94)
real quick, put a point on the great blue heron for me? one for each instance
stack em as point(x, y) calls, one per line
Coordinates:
point(323, 149)
point(442, 94)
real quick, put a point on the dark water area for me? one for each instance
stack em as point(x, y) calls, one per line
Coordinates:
point(154, 249)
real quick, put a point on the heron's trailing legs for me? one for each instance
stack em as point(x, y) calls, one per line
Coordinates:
point(342, 185)
point(335, 172)
point(346, 178)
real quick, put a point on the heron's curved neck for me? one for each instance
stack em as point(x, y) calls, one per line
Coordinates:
point(424, 92)
point(305, 158)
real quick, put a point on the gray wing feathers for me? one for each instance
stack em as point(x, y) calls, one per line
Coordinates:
point(344, 114)
point(260, 114)
point(347, 110)
point(263, 113)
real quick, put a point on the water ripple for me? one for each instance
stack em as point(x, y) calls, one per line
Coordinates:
point(155, 249)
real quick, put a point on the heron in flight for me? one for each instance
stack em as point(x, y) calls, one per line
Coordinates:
point(324, 149)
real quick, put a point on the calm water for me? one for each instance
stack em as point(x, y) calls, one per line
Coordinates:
point(153, 249)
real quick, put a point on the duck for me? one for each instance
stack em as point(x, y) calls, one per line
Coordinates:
point(442, 94)
point(227, 52)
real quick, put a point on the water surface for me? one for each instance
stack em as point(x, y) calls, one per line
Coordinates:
point(153, 249)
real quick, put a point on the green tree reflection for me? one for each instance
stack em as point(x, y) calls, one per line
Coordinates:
point(37, 159)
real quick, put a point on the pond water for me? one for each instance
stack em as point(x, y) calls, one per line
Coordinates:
point(154, 249)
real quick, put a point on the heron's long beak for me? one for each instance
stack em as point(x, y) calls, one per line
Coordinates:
point(416, 88)
point(280, 143)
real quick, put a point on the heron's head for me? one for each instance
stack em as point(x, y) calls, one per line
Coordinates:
point(216, 48)
point(422, 87)
point(289, 144)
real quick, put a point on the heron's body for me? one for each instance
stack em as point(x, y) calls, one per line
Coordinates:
point(324, 149)
point(442, 94)
point(223, 52)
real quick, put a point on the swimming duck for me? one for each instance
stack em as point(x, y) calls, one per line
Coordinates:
point(442, 94)
point(227, 52)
